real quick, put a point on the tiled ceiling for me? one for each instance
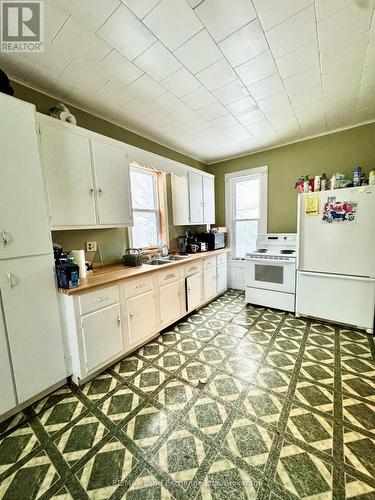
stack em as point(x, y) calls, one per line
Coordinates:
point(210, 78)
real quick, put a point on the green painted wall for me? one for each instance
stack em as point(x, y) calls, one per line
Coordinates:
point(112, 241)
point(338, 152)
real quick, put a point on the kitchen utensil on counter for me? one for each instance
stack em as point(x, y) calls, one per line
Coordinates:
point(132, 257)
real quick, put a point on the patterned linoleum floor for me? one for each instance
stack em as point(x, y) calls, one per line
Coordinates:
point(235, 402)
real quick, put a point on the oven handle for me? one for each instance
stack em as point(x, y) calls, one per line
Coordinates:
point(271, 261)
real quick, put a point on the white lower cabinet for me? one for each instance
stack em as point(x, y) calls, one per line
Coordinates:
point(7, 390)
point(102, 337)
point(170, 303)
point(209, 283)
point(222, 277)
point(141, 317)
point(194, 291)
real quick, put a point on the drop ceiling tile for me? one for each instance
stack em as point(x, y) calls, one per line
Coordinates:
point(212, 111)
point(158, 62)
point(292, 33)
point(257, 68)
point(237, 131)
point(54, 18)
point(173, 22)
point(198, 98)
point(245, 105)
point(303, 81)
point(231, 92)
point(244, 44)
point(140, 7)
point(198, 52)
point(325, 9)
point(222, 18)
point(116, 66)
point(74, 38)
point(167, 103)
point(112, 93)
point(181, 82)
point(125, 32)
point(261, 128)
point(269, 86)
point(275, 101)
point(54, 60)
point(277, 114)
point(251, 117)
point(298, 60)
point(195, 3)
point(345, 24)
point(139, 107)
point(345, 55)
point(272, 12)
point(144, 87)
point(86, 79)
point(93, 14)
point(224, 122)
point(217, 75)
point(183, 115)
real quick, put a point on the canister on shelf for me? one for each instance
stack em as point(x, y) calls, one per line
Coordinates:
point(357, 176)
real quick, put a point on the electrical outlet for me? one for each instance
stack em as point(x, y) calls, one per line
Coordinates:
point(91, 246)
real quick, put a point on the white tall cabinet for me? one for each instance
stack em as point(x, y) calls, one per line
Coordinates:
point(32, 358)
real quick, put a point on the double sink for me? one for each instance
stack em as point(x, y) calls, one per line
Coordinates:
point(165, 260)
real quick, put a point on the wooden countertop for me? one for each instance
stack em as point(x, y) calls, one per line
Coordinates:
point(110, 274)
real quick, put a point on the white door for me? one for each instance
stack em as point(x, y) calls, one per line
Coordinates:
point(23, 216)
point(142, 317)
point(209, 283)
point(343, 299)
point(339, 247)
point(33, 324)
point(102, 337)
point(7, 391)
point(170, 303)
point(180, 199)
point(112, 184)
point(194, 291)
point(209, 200)
point(66, 159)
point(222, 277)
point(195, 197)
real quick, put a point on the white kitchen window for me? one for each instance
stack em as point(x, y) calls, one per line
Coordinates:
point(146, 231)
point(246, 208)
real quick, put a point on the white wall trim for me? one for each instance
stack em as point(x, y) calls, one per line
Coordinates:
point(245, 173)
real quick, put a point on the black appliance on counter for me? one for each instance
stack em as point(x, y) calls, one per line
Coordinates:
point(190, 243)
point(214, 240)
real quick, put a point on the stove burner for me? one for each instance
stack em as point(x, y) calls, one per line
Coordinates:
point(287, 252)
point(261, 250)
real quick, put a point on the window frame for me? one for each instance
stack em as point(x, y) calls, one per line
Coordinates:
point(230, 180)
point(159, 194)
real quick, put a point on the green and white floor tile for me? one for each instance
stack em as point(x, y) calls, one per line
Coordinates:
point(233, 402)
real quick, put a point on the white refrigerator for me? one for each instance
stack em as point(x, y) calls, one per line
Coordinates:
point(336, 256)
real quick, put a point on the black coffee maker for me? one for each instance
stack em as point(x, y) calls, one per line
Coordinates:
point(188, 243)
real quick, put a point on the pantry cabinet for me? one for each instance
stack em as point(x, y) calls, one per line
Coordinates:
point(102, 337)
point(86, 177)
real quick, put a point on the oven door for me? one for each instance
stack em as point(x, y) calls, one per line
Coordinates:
point(271, 274)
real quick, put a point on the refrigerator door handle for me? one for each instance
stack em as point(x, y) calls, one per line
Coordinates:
point(337, 276)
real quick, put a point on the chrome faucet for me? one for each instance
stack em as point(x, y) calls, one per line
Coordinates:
point(164, 245)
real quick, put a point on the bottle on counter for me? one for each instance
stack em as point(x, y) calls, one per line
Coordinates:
point(357, 176)
point(333, 184)
point(371, 178)
point(306, 184)
point(317, 183)
point(323, 182)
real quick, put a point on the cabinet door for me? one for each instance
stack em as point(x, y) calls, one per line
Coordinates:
point(7, 391)
point(23, 216)
point(170, 304)
point(209, 283)
point(112, 184)
point(33, 324)
point(222, 277)
point(142, 317)
point(209, 199)
point(102, 338)
point(180, 199)
point(194, 291)
point(195, 197)
point(66, 159)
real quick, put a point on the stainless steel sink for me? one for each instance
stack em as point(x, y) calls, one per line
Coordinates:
point(175, 257)
point(157, 262)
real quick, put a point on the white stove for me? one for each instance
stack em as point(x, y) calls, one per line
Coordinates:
point(271, 271)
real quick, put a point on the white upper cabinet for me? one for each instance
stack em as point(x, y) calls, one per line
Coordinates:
point(87, 177)
point(112, 184)
point(23, 217)
point(67, 163)
point(193, 199)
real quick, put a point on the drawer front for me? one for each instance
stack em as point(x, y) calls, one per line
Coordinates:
point(169, 276)
point(98, 299)
point(140, 285)
point(221, 258)
point(193, 267)
point(209, 262)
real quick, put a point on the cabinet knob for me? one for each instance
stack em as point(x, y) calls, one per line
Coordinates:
point(131, 315)
point(91, 190)
point(100, 190)
point(118, 321)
